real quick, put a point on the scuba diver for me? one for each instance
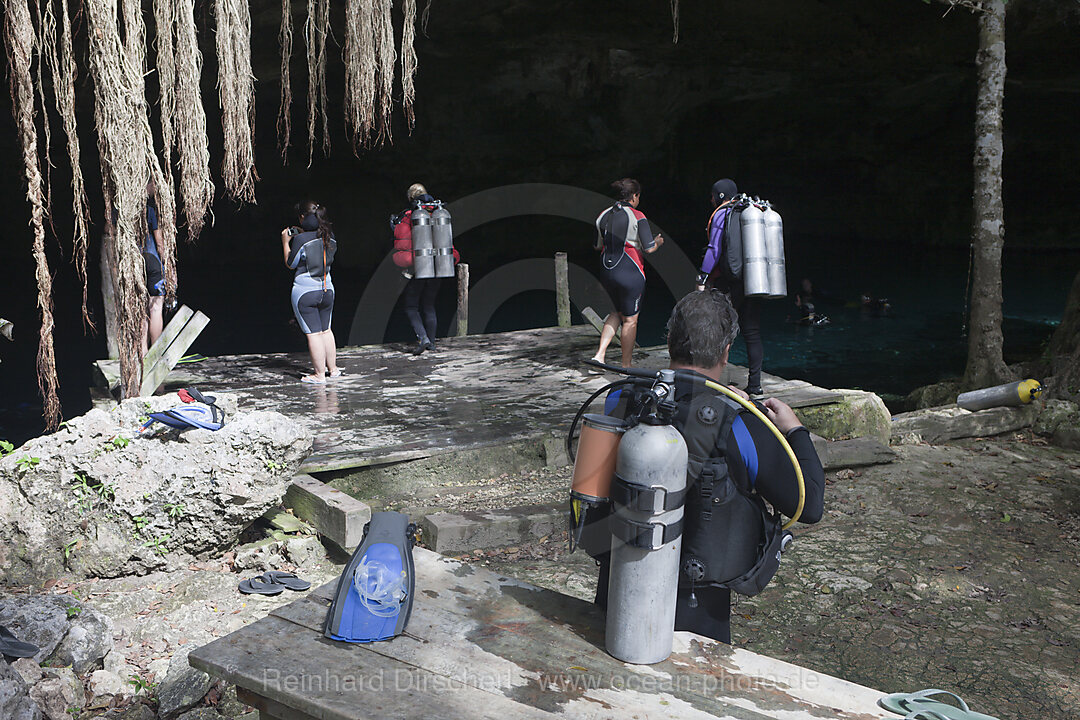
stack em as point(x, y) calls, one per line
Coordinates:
point(423, 285)
point(874, 307)
point(724, 196)
point(736, 459)
point(804, 301)
point(622, 234)
point(309, 248)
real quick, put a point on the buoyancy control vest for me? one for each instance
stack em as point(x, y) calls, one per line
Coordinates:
point(732, 539)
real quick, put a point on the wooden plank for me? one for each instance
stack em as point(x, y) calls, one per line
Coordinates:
point(462, 300)
point(269, 709)
point(297, 668)
point(562, 289)
point(466, 617)
point(334, 514)
point(598, 322)
point(173, 353)
point(168, 335)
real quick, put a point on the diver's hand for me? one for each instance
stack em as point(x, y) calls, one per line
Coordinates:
point(781, 415)
point(741, 393)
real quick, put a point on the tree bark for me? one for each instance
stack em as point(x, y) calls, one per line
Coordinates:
point(985, 361)
point(1064, 349)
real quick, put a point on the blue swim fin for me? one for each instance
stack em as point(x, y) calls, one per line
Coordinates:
point(374, 594)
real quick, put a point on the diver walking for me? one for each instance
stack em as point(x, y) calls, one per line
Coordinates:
point(423, 248)
point(309, 248)
point(622, 235)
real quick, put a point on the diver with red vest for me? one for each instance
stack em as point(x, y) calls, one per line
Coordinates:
point(423, 248)
point(622, 235)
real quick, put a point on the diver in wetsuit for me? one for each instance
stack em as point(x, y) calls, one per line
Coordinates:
point(153, 323)
point(723, 196)
point(419, 293)
point(309, 249)
point(622, 235)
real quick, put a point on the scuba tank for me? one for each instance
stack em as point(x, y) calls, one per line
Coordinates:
point(755, 255)
point(774, 246)
point(1012, 394)
point(422, 245)
point(443, 242)
point(646, 535)
point(594, 467)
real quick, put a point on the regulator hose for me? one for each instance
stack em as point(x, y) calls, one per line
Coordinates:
point(635, 372)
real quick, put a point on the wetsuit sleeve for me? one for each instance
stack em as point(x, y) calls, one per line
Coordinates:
point(770, 471)
point(296, 252)
point(598, 244)
point(716, 238)
point(151, 218)
point(644, 231)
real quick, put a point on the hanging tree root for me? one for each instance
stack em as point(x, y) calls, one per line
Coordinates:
point(236, 93)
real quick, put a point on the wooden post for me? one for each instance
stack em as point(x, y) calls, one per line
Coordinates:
point(562, 289)
point(462, 300)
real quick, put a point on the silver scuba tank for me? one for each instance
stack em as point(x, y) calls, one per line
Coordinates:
point(774, 246)
point(755, 252)
point(1012, 394)
point(443, 242)
point(422, 245)
point(646, 526)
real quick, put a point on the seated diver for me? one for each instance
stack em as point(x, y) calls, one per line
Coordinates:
point(746, 465)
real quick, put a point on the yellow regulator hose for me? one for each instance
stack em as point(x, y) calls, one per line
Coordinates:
point(779, 436)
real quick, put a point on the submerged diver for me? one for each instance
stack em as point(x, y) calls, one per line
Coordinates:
point(744, 463)
point(622, 234)
point(309, 249)
point(804, 301)
point(724, 194)
point(420, 293)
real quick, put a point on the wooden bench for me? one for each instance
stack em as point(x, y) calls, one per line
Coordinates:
point(481, 645)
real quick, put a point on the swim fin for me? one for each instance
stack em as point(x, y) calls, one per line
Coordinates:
point(374, 594)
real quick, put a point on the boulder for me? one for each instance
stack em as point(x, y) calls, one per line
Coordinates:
point(182, 688)
point(103, 682)
point(1056, 415)
point(857, 414)
point(203, 713)
point(58, 691)
point(137, 712)
point(938, 425)
point(98, 498)
point(67, 631)
point(936, 395)
point(15, 702)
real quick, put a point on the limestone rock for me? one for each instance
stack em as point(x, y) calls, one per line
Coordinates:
point(938, 425)
point(28, 670)
point(1055, 415)
point(103, 682)
point(203, 713)
point(66, 631)
point(58, 691)
point(858, 414)
point(182, 688)
point(15, 702)
point(97, 498)
point(936, 395)
point(260, 555)
point(305, 551)
point(137, 712)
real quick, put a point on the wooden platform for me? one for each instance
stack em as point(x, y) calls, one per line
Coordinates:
point(480, 645)
point(476, 391)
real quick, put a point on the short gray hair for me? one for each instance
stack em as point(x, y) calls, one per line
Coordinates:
point(702, 325)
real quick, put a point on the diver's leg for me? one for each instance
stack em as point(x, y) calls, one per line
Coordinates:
point(607, 334)
point(629, 336)
point(750, 327)
point(317, 348)
point(412, 308)
point(427, 307)
point(156, 322)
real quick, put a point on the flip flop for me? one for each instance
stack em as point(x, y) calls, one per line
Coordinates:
point(912, 704)
point(288, 579)
point(312, 380)
point(12, 647)
point(260, 585)
point(336, 374)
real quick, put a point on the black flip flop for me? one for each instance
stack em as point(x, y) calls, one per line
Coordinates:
point(12, 647)
point(288, 579)
point(260, 585)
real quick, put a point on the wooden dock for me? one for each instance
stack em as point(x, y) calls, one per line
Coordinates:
point(481, 645)
point(474, 392)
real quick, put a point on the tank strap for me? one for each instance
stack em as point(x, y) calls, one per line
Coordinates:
point(645, 536)
point(643, 498)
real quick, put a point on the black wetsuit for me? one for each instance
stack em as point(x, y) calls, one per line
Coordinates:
point(623, 233)
point(313, 290)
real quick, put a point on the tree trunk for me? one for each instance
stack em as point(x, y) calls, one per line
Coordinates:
point(108, 285)
point(1064, 349)
point(985, 361)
